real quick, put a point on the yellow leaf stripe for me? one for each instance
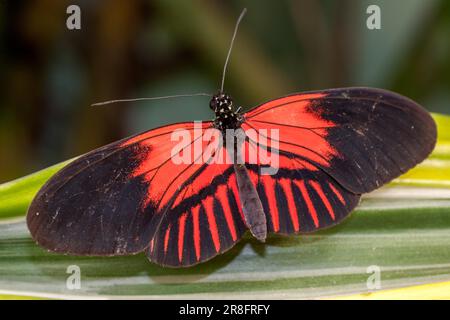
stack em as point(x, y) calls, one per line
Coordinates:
point(432, 291)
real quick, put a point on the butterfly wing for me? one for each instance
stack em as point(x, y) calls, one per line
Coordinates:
point(333, 146)
point(120, 199)
point(205, 220)
point(299, 197)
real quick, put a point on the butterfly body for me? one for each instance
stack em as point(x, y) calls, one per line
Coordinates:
point(252, 208)
point(228, 119)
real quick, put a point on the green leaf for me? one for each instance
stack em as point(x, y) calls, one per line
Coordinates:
point(403, 228)
point(16, 196)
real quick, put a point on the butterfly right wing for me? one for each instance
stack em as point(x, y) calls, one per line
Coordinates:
point(333, 145)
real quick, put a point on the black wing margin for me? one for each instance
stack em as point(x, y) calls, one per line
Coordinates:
point(379, 135)
point(92, 209)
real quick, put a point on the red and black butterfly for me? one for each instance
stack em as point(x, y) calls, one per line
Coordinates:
point(129, 197)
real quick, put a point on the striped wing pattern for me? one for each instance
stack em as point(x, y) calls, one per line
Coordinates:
point(302, 201)
point(208, 221)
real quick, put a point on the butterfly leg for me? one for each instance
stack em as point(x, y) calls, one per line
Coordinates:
point(255, 218)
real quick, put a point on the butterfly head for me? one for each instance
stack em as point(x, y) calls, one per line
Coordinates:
point(226, 117)
point(221, 102)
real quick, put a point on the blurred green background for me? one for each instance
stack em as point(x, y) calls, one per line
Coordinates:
point(50, 75)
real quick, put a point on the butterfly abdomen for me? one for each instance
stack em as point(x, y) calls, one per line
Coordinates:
point(254, 215)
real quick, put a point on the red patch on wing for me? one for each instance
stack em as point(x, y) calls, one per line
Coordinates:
point(323, 197)
point(301, 129)
point(196, 227)
point(166, 239)
point(222, 196)
point(286, 185)
point(208, 205)
point(311, 209)
point(171, 155)
point(181, 228)
point(337, 193)
point(269, 187)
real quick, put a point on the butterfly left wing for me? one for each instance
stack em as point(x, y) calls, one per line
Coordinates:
point(121, 198)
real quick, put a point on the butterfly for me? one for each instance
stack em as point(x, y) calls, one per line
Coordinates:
point(331, 147)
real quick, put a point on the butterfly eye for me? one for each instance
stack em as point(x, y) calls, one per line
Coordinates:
point(226, 101)
point(214, 103)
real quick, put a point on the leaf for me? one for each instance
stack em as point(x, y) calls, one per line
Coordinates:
point(431, 291)
point(16, 196)
point(403, 228)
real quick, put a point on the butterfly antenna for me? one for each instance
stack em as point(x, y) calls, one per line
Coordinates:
point(231, 47)
point(151, 98)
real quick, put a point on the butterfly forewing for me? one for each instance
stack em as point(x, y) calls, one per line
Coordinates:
point(361, 137)
point(109, 201)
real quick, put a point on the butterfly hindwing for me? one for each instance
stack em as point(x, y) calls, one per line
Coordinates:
point(301, 198)
point(205, 221)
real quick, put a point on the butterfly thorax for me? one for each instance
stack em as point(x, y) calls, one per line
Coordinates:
point(226, 116)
